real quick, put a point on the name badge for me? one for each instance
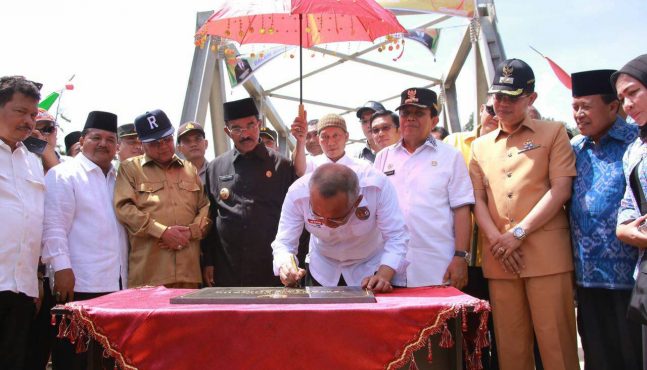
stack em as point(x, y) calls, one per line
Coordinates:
point(390, 173)
point(226, 177)
point(314, 222)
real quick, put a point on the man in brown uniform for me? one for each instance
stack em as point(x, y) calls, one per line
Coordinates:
point(522, 174)
point(160, 199)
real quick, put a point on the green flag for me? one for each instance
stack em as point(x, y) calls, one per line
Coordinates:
point(48, 101)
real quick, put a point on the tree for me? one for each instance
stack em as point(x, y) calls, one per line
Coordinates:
point(469, 126)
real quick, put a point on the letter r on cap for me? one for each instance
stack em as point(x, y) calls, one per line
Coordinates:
point(152, 121)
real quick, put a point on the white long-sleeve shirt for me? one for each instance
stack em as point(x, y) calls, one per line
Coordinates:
point(22, 194)
point(81, 230)
point(356, 249)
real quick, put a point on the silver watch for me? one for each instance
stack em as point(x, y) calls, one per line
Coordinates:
point(463, 254)
point(519, 233)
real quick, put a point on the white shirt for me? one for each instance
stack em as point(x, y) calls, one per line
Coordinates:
point(356, 249)
point(81, 230)
point(315, 161)
point(22, 195)
point(430, 183)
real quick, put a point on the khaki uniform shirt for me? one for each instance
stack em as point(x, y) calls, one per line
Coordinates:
point(148, 199)
point(515, 171)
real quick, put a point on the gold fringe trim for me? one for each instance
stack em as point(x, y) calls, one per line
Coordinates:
point(81, 318)
point(432, 329)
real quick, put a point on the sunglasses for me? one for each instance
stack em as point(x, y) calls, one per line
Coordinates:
point(385, 129)
point(47, 129)
point(510, 98)
point(490, 110)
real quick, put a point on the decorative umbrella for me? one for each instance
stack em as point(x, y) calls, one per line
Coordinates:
point(283, 22)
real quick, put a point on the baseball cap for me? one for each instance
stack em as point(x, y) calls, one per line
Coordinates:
point(126, 130)
point(513, 77)
point(153, 125)
point(269, 133)
point(44, 115)
point(369, 106)
point(187, 127)
point(419, 97)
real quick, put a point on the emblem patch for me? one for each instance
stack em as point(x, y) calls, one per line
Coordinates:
point(268, 174)
point(507, 75)
point(362, 213)
point(224, 194)
point(411, 97)
point(528, 145)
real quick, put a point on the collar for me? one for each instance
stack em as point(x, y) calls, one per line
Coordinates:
point(90, 166)
point(527, 122)
point(174, 160)
point(430, 142)
point(623, 131)
point(259, 151)
point(19, 146)
point(367, 147)
point(620, 131)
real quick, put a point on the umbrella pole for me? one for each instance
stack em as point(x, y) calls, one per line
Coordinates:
point(301, 108)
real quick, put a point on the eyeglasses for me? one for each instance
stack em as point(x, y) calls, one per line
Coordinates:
point(46, 130)
point(131, 141)
point(163, 141)
point(490, 110)
point(385, 129)
point(512, 99)
point(418, 113)
point(239, 130)
point(337, 221)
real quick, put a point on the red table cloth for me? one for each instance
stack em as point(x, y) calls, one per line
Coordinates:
point(142, 330)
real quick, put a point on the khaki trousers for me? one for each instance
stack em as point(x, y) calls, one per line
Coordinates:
point(542, 303)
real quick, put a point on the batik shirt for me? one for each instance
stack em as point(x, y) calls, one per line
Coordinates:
point(601, 260)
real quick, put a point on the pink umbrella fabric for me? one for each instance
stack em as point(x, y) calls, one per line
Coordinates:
point(277, 21)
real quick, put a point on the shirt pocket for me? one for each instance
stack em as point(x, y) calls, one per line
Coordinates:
point(149, 193)
point(189, 186)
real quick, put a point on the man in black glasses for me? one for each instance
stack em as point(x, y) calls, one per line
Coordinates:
point(358, 236)
point(385, 129)
point(47, 129)
point(246, 187)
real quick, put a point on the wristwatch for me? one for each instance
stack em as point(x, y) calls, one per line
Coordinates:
point(463, 254)
point(519, 233)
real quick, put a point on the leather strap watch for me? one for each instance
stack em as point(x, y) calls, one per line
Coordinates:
point(463, 254)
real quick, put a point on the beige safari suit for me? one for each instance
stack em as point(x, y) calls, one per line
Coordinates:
point(515, 171)
point(148, 199)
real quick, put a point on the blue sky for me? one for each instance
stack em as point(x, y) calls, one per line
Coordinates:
point(579, 35)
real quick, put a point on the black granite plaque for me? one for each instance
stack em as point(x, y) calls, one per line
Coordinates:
point(308, 295)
